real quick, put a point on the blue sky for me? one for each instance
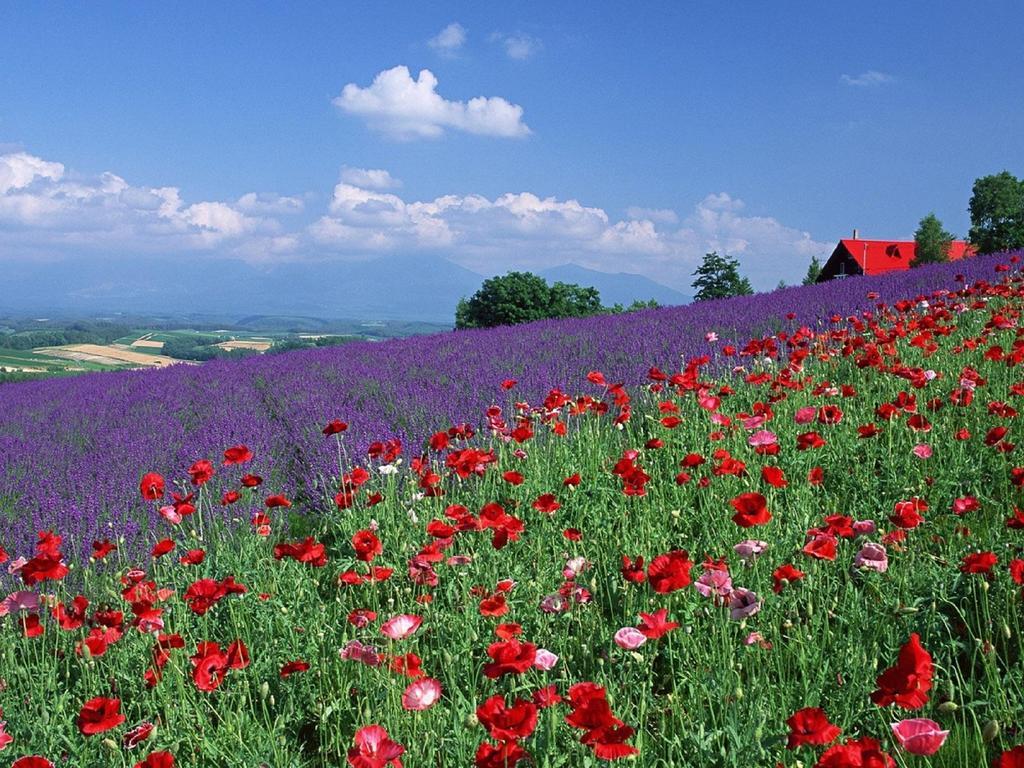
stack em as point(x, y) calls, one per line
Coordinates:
point(618, 139)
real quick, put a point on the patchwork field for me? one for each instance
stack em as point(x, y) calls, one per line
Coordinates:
point(782, 530)
point(106, 354)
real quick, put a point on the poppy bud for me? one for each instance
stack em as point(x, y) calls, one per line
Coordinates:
point(636, 656)
point(991, 730)
point(271, 701)
point(948, 706)
point(738, 693)
point(472, 720)
point(264, 690)
point(86, 652)
point(1006, 631)
point(110, 744)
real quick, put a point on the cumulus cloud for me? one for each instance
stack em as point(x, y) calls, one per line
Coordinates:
point(404, 108)
point(47, 211)
point(518, 46)
point(658, 215)
point(525, 231)
point(269, 203)
point(43, 207)
point(868, 79)
point(368, 178)
point(449, 40)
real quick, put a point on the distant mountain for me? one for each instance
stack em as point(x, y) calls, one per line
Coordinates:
point(403, 288)
point(618, 288)
point(393, 288)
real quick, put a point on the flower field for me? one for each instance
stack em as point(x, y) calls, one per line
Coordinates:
point(780, 530)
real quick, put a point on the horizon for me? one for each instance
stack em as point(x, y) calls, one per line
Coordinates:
point(514, 139)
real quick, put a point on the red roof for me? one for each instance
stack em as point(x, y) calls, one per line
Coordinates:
point(878, 256)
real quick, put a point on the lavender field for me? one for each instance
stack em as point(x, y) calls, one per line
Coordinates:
point(71, 451)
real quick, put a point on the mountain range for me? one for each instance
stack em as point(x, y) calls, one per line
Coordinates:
point(418, 287)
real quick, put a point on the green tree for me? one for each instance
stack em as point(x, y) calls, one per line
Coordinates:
point(997, 213)
point(571, 300)
point(522, 297)
point(718, 277)
point(813, 271)
point(932, 242)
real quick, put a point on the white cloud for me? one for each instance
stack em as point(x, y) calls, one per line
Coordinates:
point(449, 40)
point(658, 215)
point(867, 79)
point(269, 203)
point(46, 211)
point(405, 108)
point(18, 170)
point(369, 178)
point(518, 46)
point(43, 206)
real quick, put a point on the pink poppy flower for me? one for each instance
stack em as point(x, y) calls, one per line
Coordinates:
point(401, 626)
point(919, 735)
point(749, 549)
point(743, 603)
point(864, 527)
point(356, 651)
point(873, 557)
point(545, 660)
point(422, 694)
point(19, 601)
point(805, 415)
point(714, 584)
point(630, 638)
point(922, 451)
point(375, 749)
point(762, 438)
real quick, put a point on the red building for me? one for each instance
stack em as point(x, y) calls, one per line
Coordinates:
point(854, 256)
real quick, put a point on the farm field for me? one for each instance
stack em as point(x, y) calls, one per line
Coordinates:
point(778, 530)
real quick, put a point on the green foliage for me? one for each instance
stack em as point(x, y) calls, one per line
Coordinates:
point(297, 342)
point(200, 349)
point(84, 332)
point(522, 297)
point(636, 306)
point(997, 213)
point(813, 272)
point(932, 242)
point(718, 277)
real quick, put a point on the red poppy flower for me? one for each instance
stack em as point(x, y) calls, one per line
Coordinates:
point(546, 503)
point(135, 736)
point(785, 574)
point(162, 547)
point(335, 427)
point(821, 547)
point(506, 754)
point(100, 549)
point(421, 694)
point(99, 715)
point(32, 761)
point(751, 509)
point(978, 562)
point(655, 625)
point(856, 753)
point(201, 471)
point(307, 551)
point(238, 454)
point(907, 683)
point(289, 668)
point(366, 545)
point(810, 725)
point(152, 486)
point(774, 476)
point(157, 760)
point(509, 657)
point(633, 570)
point(1011, 758)
point(505, 723)
point(670, 571)
point(193, 557)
